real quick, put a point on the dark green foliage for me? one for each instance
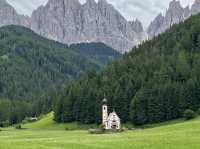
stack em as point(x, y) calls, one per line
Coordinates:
point(12, 112)
point(34, 69)
point(18, 127)
point(189, 114)
point(155, 82)
point(97, 51)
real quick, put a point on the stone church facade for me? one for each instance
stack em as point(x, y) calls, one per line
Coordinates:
point(109, 121)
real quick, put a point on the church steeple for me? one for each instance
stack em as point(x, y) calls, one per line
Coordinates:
point(104, 112)
point(104, 101)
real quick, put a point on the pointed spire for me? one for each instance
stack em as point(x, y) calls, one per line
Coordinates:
point(195, 7)
point(91, 2)
point(102, 1)
point(175, 4)
point(197, 1)
point(104, 99)
point(3, 2)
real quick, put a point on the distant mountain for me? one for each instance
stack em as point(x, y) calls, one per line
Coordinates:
point(31, 66)
point(69, 22)
point(174, 15)
point(9, 16)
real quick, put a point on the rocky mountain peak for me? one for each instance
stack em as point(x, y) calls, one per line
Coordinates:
point(3, 2)
point(195, 7)
point(174, 15)
point(174, 4)
point(137, 26)
point(62, 3)
point(196, 2)
point(187, 12)
point(103, 2)
point(155, 27)
point(8, 16)
point(70, 22)
point(91, 2)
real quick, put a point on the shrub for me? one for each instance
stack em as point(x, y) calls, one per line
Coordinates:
point(189, 114)
point(4, 124)
point(96, 131)
point(198, 111)
point(18, 127)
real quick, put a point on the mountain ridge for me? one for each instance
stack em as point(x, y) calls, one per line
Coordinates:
point(25, 51)
point(88, 22)
point(175, 14)
point(69, 21)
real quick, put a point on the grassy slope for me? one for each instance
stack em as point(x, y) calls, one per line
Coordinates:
point(45, 134)
point(47, 123)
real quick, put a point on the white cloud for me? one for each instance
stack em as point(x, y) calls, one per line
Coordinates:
point(144, 10)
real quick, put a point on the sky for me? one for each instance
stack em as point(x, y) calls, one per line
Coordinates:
point(144, 10)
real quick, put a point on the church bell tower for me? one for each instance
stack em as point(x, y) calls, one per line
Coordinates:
point(104, 112)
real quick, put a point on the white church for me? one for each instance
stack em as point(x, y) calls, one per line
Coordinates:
point(111, 121)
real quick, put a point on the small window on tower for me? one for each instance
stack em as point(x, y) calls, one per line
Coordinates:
point(104, 108)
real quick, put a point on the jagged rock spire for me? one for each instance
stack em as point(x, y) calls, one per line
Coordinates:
point(9, 16)
point(174, 15)
point(137, 26)
point(72, 22)
point(91, 2)
point(195, 7)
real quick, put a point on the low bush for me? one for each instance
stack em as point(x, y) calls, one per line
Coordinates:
point(4, 124)
point(70, 129)
point(104, 131)
point(198, 111)
point(18, 127)
point(189, 114)
point(97, 131)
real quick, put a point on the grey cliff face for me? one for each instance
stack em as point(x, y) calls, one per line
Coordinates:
point(174, 15)
point(195, 7)
point(68, 21)
point(137, 26)
point(9, 16)
point(155, 27)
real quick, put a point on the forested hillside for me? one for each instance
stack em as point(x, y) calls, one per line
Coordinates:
point(97, 51)
point(34, 69)
point(155, 82)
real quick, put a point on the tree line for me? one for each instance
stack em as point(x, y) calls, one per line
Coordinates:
point(33, 69)
point(157, 81)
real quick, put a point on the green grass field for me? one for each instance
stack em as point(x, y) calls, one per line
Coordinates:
point(46, 134)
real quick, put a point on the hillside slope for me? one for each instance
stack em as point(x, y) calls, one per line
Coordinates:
point(155, 82)
point(35, 69)
point(30, 63)
point(46, 122)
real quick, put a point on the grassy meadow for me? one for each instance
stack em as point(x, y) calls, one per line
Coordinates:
point(46, 134)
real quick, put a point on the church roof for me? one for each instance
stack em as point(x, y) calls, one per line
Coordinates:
point(104, 100)
point(112, 115)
